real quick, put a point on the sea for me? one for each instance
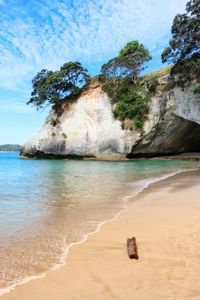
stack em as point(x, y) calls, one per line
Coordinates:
point(47, 206)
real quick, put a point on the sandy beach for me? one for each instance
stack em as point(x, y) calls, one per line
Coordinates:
point(165, 219)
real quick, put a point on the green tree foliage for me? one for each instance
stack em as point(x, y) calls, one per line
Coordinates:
point(128, 63)
point(184, 46)
point(112, 75)
point(125, 67)
point(133, 105)
point(119, 80)
point(133, 56)
point(54, 87)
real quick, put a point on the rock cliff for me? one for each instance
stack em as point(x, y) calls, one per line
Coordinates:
point(87, 128)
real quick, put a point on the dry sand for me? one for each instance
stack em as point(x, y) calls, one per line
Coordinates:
point(165, 218)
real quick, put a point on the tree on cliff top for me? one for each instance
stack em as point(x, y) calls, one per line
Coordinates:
point(133, 56)
point(123, 68)
point(119, 80)
point(54, 87)
point(185, 42)
point(128, 63)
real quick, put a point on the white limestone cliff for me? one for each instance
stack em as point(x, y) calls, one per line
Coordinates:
point(87, 128)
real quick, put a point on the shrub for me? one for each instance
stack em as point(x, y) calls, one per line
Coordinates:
point(151, 84)
point(64, 135)
point(197, 90)
point(133, 104)
point(54, 122)
point(138, 121)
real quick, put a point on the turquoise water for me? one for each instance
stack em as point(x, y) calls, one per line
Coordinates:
point(46, 205)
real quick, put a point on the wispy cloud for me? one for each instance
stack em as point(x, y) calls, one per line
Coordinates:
point(38, 34)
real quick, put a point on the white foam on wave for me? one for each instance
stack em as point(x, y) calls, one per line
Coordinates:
point(137, 186)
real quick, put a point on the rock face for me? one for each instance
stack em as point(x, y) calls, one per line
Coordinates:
point(87, 128)
point(173, 124)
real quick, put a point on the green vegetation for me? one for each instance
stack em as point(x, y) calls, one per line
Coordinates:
point(55, 87)
point(119, 78)
point(132, 108)
point(54, 122)
point(125, 67)
point(10, 147)
point(64, 135)
point(184, 47)
point(197, 90)
point(133, 56)
point(158, 73)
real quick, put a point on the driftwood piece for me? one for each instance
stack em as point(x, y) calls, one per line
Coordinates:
point(132, 248)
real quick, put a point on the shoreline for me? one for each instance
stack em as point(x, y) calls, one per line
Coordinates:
point(139, 187)
point(194, 156)
point(20, 290)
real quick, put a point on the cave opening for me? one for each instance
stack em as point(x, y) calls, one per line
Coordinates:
point(170, 138)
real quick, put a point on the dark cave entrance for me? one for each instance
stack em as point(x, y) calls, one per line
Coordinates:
point(169, 138)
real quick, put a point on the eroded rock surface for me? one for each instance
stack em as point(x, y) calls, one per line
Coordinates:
point(173, 124)
point(87, 128)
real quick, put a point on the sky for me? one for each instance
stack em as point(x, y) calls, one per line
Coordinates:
point(38, 34)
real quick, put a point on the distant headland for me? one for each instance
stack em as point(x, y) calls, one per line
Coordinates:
point(10, 147)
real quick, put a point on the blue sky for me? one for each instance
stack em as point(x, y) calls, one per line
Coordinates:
point(37, 34)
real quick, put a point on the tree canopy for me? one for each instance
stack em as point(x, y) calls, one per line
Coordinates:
point(185, 42)
point(54, 87)
point(113, 73)
point(128, 63)
point(125, 67)
point(119, 80)
point(133, 56)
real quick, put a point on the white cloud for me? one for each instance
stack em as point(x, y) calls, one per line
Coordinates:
point(45, 34)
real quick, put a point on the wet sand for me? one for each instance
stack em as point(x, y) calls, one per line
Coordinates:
point(165, 218)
